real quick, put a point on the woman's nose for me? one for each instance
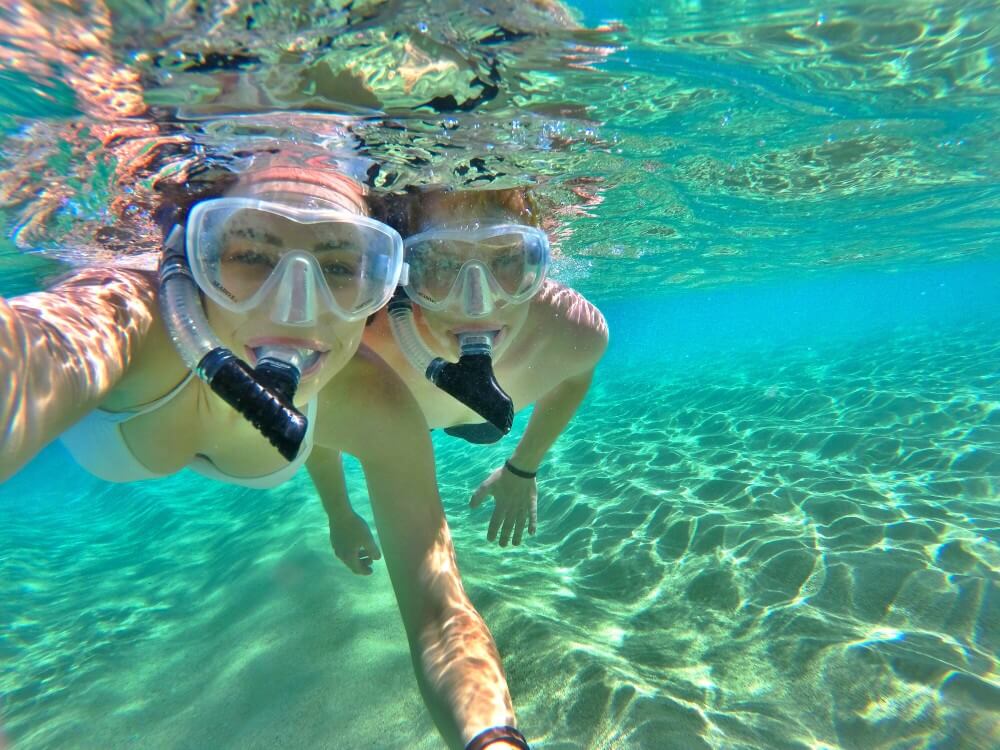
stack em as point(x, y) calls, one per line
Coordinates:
point(295, 302)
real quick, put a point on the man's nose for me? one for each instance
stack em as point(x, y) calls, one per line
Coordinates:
point(477, 301)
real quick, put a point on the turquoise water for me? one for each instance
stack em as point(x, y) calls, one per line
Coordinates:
point(773, 523)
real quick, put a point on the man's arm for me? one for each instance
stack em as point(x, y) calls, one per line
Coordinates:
point(578, 335)
point(552, 414)
point(515, 496)
point(61, 352)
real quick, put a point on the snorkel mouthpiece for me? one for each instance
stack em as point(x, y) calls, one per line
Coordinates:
point(470, 380)
point(279, 368)
point(266, 405)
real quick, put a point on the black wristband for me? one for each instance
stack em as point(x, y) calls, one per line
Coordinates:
point(497, 734)
point(519, 472)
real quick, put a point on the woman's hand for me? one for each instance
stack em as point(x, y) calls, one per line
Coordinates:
point(515, 505)
point(353, 542)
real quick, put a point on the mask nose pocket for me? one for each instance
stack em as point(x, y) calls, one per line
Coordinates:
point(296, 298)
point(477, 300)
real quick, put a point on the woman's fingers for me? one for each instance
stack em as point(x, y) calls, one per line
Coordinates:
point(372, 549)
point(508, 527)
point(482, 492)
point(364, 562)
point(354, 545)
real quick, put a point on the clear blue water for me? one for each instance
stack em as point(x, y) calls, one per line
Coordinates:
point(774, 522)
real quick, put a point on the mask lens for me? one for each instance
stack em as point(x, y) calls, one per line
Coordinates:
point(246, 252)
point(506, 256)
point(235, 247)
point(515, 259)
point(363, 281)
point(339, 250)
point(434, 267)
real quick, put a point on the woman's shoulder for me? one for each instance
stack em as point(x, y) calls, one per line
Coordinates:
point(366, 376)
point(363, 403)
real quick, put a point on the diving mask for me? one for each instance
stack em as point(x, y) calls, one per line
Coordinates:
point(301, 262)
point(474, 270)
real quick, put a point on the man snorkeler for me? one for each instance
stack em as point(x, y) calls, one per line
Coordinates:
point(481, 334)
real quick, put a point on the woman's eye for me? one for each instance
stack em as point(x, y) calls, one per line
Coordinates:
point(251, 258)
point(339, 269)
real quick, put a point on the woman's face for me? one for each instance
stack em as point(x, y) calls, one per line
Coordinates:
point(466, 209)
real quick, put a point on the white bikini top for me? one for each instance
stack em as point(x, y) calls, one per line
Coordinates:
point(97, 444)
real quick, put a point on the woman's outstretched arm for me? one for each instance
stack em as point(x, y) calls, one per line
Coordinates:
point(62, 350)
point(455, 659)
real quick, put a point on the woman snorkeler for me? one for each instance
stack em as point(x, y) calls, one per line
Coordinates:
point(263, 294)
point(479, 335)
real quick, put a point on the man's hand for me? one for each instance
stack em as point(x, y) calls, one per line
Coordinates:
point(353, 542)
point(516, 505)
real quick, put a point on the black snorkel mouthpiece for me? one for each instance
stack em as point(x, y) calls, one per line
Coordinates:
point(263, 397)
point(278, 375)
point(472, 382)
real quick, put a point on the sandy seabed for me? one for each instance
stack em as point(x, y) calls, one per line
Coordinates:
point(793, 550)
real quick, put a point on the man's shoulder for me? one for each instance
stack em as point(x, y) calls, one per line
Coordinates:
point(573, 331)
point(571, 321)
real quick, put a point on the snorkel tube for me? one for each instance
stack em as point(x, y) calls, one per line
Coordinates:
point(263, 396)
point(470, 380)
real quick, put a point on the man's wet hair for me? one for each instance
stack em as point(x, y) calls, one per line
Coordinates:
point(404, 211)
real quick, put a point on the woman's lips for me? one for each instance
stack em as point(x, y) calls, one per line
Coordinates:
point(292, 343)
point(313, 353)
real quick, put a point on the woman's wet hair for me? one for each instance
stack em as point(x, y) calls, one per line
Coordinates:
point(178, 198)
point(285, 182)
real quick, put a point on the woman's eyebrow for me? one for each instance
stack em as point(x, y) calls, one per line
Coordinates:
point(251, 234)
